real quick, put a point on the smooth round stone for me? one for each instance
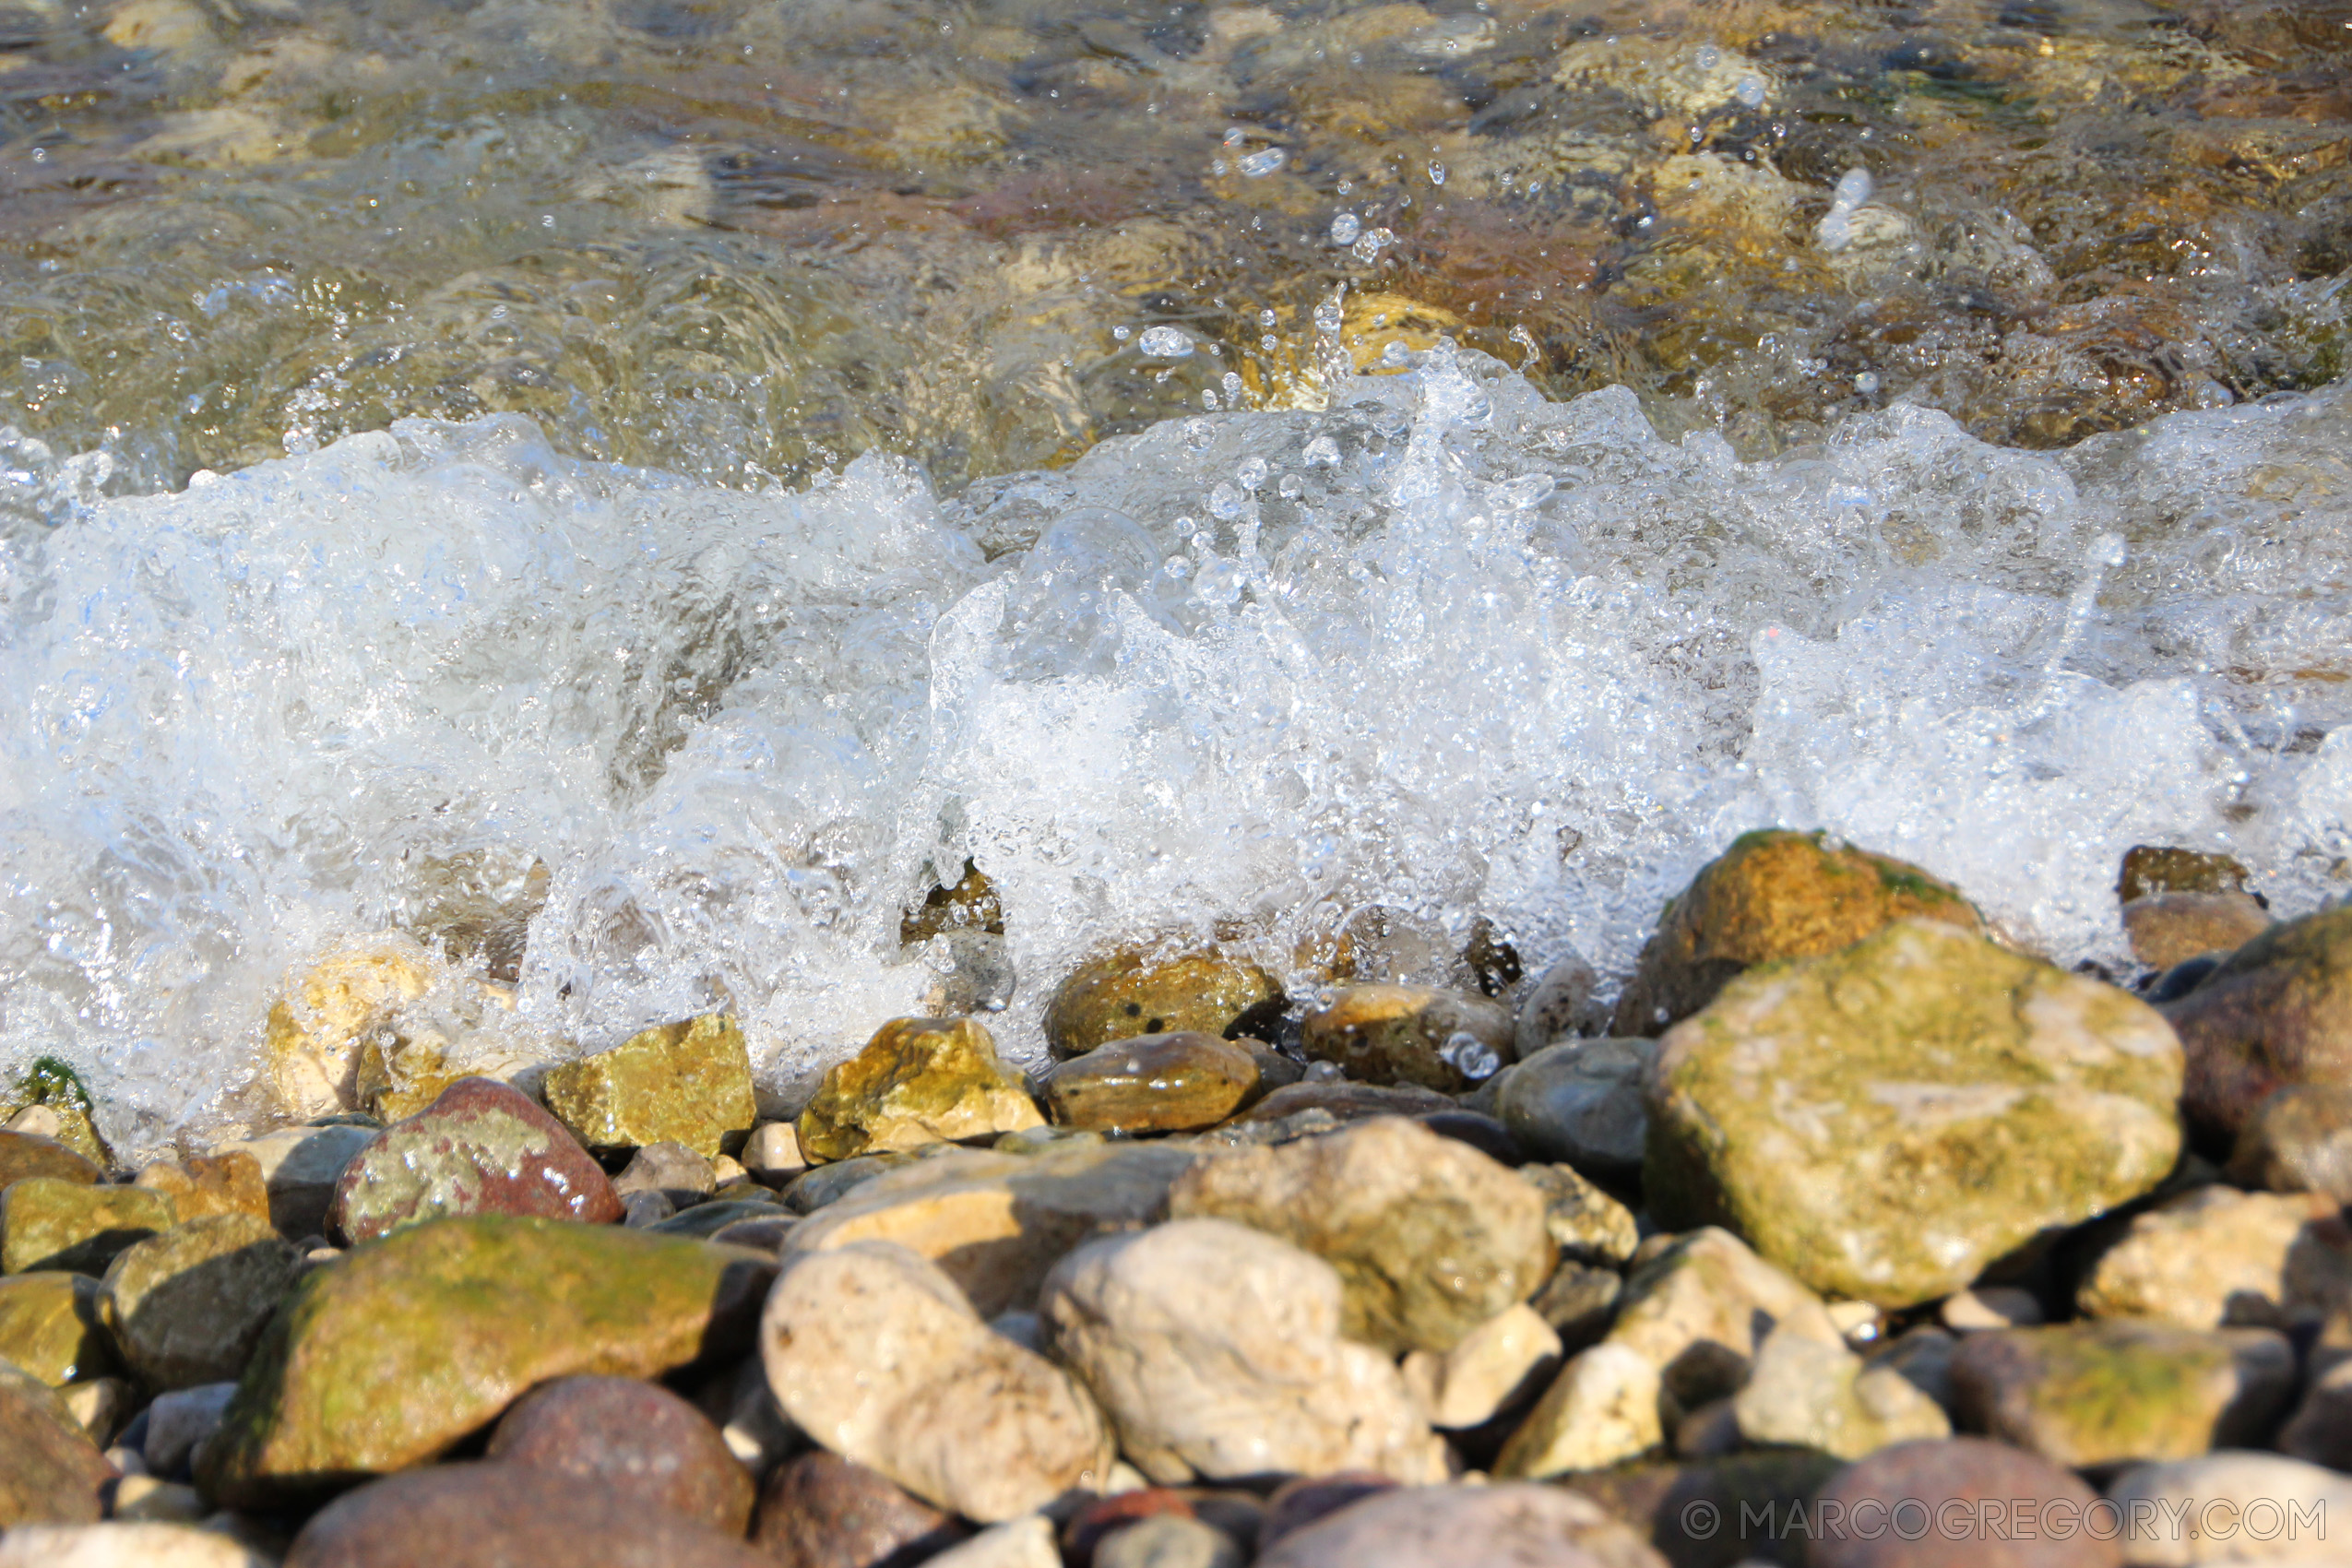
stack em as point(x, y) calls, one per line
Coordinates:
point(2171, 927)
point(50, 1470)
point(1956, 1474)
point(636, 1439)
point(1526, 1527)
point(1559, 1002)
point(1484, 1134)
point(822, 1511)
point(1301, 1500)
point(1580, 1104)
point(2273, 1509)
point(48, 1222)
point(1165, 1083)
point(495, 1515)
point(28, 1154)
point(1347, 1101)
point(2100, 1392)
point(1128, 994)
point(50, 1326)
point(2298, 1140)
point(126, 1545)
point(1411, 1034)
point(673, 1169)
point(481, 1147)
point(188, 1306)
point(2278, 1011)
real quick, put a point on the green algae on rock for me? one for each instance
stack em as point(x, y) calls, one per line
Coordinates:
point(1886, 1121)
point(918, 1081)
point(1171, 1082)
point(52, 1083)
point(1773, 895)
point(409, 1344)
point(188, 1306)
point(2082, 1394)
point(2278, 1011)
point(51, 1326)
point(53, 1222)
point(688, 1083)
point(1130, 993)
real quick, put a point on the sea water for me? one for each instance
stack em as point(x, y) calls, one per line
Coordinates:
point(1444, 648)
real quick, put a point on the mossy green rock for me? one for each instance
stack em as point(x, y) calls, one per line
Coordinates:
point(27, 1155)
point(918, 1081)
point(2084, 1393)
point(50, 1472)
point(1131, 993)
point(392, 1356)
point(688, 1083)
point(50, 1327)
point(188, 1306)
point(1773, 895)
point(2278, 1012)
point(1886, 1121)
point(53, 1222)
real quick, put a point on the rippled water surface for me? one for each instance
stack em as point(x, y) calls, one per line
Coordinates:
point(938, 443)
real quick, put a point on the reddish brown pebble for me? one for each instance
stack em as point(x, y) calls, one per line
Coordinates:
point(822, 1511)
point(482, 1148)
point(1894, 1510)
point(496, 1516)
point(633, 1439)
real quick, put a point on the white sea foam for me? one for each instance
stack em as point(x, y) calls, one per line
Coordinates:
point(1447, 648)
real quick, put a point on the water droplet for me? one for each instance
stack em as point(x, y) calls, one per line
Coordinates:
point(1164, 342)
point(1866, 383)
point(1345, 228)
point(1225, 501)
point(1258, 165)
point(1251, 473)
point(1436, 172)
point(1323, 452)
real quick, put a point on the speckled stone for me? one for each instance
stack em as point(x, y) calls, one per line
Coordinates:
point(482, 1148)
point(631, 1438)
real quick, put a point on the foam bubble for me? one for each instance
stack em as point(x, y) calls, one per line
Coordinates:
point(1492, 658)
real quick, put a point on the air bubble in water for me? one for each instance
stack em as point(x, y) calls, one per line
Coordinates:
point(1323, 452)
point(1251, 473)
point(1225, 501)
point(1866, 383)
point(1345, 228)
point(1471, 1056)
point(1749, 92)
point(1258, 165)
point(1436, 172)
point(1164, 342)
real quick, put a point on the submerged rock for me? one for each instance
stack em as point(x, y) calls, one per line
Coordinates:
point(1429, 1237)
point(188, 1306)
point(404, 1346)
point(1887, 1121)
point(1217, 1351)
point(1129, 993)
point(875, 1353)
point(688, 1083)
point(1773, 895)
point(1172, 1083)
point(1411, 1034)
point(2084, 1393)
point(2276, 1012)
point(2171, 928)
point(482, 1148)
point(53, 1222)
point(918, 1081)
point(315, 1034)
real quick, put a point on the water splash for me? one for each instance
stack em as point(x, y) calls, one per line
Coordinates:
point(1443, 647)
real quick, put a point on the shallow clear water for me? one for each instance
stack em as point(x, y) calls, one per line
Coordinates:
point(1926, 432)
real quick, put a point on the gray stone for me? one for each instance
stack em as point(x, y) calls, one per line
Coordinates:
point(1580, 1102)
point(2251, 1502)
